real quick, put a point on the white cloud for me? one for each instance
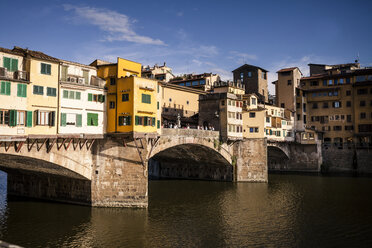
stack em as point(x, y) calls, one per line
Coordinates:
point(118, 26)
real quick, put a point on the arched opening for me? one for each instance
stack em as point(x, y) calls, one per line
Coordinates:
point(190, 161)
point(276, 158)
point(35, 178)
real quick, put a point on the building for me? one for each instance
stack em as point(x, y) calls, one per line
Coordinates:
point(42, 93)
point(254, 79)
point(179, 104)
point(340, 104)
point(278, 124)
point(253, 117)
point(15, 118)
point(228, 87)
point(222, 111)
point(161, 73)
point(82, 104)
point(203, 81)
point(131, 100)
point(285, 87)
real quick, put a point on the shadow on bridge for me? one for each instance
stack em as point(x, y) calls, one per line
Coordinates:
point(37, 178)
point(276, 158)
point(190, 161)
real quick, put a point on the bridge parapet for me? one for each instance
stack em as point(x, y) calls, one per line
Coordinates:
point(190, 133)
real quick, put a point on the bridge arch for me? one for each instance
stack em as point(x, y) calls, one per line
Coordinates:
point(203, 159)
point(277, 157)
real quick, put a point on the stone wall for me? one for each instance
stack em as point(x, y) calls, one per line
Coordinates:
point(347, 160)
point(250, 160)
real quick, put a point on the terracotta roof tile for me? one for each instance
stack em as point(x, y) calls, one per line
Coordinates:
point(34, 54)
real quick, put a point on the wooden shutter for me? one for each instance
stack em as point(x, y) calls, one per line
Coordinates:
point(7, 88)
point(65, 94)
point(145, 120)
point(2, 88)
point(14, 65)
point(89, 119)
point(158, 124)
point(79, 120)
point(24, 90)
point(153, 121)
point(52, 118)
point(63, 119)
point(36, 117)
point(6, 63)
point(90, 97)
point(136, 120)
point(77, 95)
point(48, 69)
point(86, 76)
point(19, 90)
point(95, 119)
point(12, 118)
point(100, 98)
point(29, 119)
point(64, 73)
point(129, 120)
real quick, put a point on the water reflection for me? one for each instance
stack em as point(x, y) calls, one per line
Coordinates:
point(290, 211)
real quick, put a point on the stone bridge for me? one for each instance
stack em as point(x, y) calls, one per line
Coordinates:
point(113, 171)
point(293, 156)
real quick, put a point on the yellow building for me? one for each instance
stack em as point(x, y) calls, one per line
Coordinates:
point(42, 92)
point(253, 117)
point(131, 100)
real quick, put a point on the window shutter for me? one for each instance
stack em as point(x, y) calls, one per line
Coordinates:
point(65, 94)
point(78, 120)
point(158, 124)
point(24, 90)
point(90, 97)
point(2, 88)
point(12, 118)
point(7, 90)
point(77, 95)
point(29, 119)
point(19, 90)
point(95, 119)
point(153, 121)
point(52, 117)
point(129, 120)
point(48, 69)
point(136, 120)
point(36, 117)
point(64, 73)
point(63, 119)
point(103, 98)
point(100, 98)
point(14, 65)
point(6, 63)
point(145, 121)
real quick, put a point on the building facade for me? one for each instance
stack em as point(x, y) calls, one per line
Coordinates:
point(204, 81)
point(161, 73)
point(82, 101)
point(253, 117)
point(254, 79)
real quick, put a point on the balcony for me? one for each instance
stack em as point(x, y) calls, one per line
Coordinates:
point(13, 75)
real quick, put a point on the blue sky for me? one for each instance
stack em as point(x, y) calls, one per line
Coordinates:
point(194, 36)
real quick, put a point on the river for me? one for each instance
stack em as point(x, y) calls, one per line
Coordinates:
point(289, 211)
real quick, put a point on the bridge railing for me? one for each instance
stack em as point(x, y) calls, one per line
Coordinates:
point(190, 133)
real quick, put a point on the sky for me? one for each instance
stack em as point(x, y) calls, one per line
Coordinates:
point(194, 36)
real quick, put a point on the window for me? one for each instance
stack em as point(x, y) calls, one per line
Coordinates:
point(241, 76)
point(22, 90)
point(362, 103)
point(4, 117)
point(330, 82)
point(263, 75)
point(249, 74)
point(5, 88)
point(335, 82)
point(347, 80)
point(325, 104)
point(282, 105)
point(158, 124)
point(188, 83)
point(51, 91)
point(145, 121)
point(341, 81)
point(360, 78)
point(96, 98)
point(314, 83)
point(348, 118)
point(304, 107)
point(21, 118)
point(125, 97)
point(348, 104)
point(349, 128)
point(170, 99)
point(298, 105)
point(44, 118)
point(195, 83)
point(112, 81)
point(348, 92)
point(124, 120)
point(112, 104)
point(222, 103)
point(182, 84)
point(146, 98)
point(254, 101)
point(252, 115)
point(315, 105)
point(268, 119)
point(305, 119)
point(38, 90)
point(251, 129)
point(10, 64)
point(337, 128)
point(337, 104)
point(77, 95)
point(45, 69)
point(324, 82)
point(92, 119)
point(363, 115)
point(202, 82)
point(71, 95)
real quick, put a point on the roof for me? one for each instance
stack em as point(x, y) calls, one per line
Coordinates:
point(6, 50)
point(34, 54)
point(246, 65)
point(288, 69)
point(182, 88)
point(77, 64)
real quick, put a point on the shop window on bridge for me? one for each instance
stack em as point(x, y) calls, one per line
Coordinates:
point(124, 120)
point(195, 83)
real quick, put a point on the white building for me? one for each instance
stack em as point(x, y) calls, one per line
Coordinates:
point(82, 100)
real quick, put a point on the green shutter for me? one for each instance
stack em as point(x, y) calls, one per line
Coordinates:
point(129, 120)
point(42, 68)
point(14, 65)
point(12, 118)
point(90, 97)
point(158, 105)
point(65, 94)
point(24, 90)
point(136, 120)
point(6, 63)
point(63, 119)
point(158, 124)
point(79, 120)
point(77, 95)
point(103, 98)
point(19, 90)
point(153, 122)
point(49, 69)
point(7, 88)
point(95, 119)
point(99, 98)
point(29, 119)
point(145, 121)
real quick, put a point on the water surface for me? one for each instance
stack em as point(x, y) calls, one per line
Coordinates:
point(289, 211)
